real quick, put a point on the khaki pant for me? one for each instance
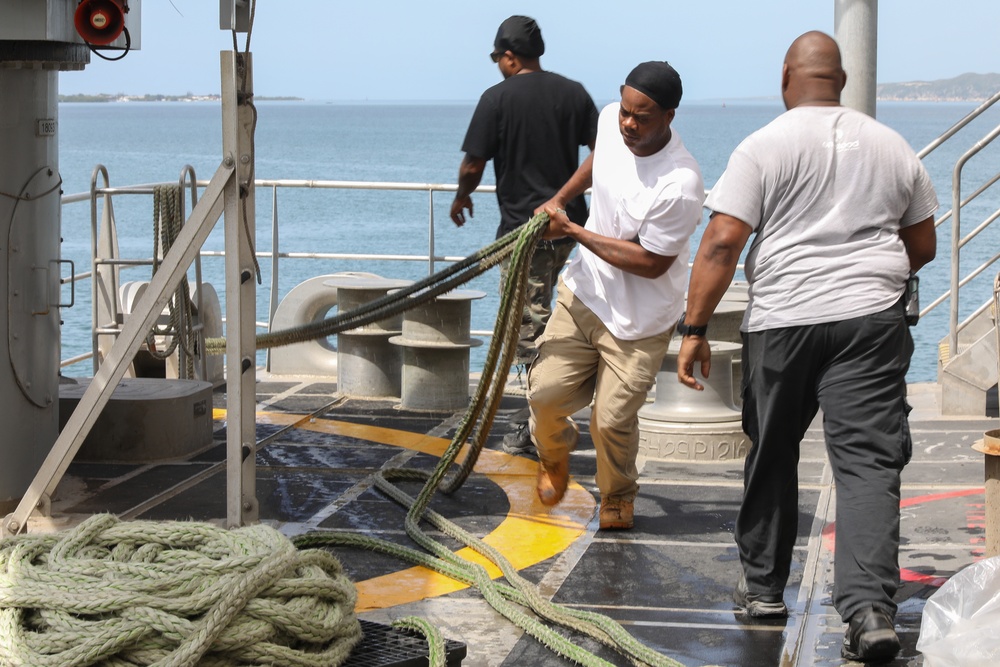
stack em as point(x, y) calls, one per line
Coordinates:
point(579, 360)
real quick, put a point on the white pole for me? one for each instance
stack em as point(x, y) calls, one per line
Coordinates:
point(856, 31)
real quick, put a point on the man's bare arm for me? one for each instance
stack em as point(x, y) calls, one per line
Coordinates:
point(712, 273)
point(470, 174)
point(625, 255)
point(920, 241)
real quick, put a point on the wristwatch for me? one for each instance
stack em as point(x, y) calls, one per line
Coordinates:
point(689, 330)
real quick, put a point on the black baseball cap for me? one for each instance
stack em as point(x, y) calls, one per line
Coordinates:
point(519, 35)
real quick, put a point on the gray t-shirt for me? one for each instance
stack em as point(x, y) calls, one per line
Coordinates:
point(826, 189)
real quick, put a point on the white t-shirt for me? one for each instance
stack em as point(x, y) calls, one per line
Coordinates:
point(826, 189)
point(656, 199)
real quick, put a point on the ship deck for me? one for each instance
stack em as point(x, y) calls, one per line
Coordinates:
point(668, 581)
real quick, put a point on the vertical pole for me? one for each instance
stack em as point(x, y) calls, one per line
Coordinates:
point(430, 233)
point(273, 303)
point(992, 460)
point(992, 474)
point(29, 277)
point(241, 290)
point(856, 31)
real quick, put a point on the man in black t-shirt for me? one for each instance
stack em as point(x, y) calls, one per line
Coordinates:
point(532, 125)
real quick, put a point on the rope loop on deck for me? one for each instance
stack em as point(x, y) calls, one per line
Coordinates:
point(172, 594)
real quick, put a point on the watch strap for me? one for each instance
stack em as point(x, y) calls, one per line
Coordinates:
point(689, 330)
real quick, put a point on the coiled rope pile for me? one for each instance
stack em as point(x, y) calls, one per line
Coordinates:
point(172, 594)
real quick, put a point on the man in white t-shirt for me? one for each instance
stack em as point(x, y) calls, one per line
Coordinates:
point(842, 212)
point(621, 295)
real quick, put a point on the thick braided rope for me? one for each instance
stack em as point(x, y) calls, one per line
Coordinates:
point(171, 594)
point(485, 402)
point(466, 571)
point(391, 304)
point(479, 418)
point(598, 626)
point(167, 222)
point(436, 655)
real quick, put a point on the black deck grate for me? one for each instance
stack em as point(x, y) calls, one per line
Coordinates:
point(385, 646)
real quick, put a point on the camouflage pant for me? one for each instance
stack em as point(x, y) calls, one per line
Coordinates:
point(546, 264)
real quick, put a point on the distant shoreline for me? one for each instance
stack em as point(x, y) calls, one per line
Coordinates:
point(772, 99)
point(966, 88)
point(102, 97)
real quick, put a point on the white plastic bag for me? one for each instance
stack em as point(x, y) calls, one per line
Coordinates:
point(959, 623)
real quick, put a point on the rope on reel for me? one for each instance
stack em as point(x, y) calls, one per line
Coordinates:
point(167, 221)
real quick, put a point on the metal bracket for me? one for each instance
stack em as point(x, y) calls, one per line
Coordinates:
point(234, 15)
point(12, 526)
point(72, 284)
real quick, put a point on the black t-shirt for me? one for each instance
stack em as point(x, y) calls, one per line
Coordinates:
point(532, 126)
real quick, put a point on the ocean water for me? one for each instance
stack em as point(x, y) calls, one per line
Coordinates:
point(152, 142)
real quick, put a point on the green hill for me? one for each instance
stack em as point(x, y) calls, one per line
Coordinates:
point(963, 88)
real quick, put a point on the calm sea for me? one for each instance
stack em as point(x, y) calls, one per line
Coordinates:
point(152, 142)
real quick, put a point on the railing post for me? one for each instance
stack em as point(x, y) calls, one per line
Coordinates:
point(430, 233)
point(956, 251)
point(273, 300)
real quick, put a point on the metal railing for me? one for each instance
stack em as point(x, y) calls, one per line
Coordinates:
point(105, 261)
point(957, 281)
point(106, 193)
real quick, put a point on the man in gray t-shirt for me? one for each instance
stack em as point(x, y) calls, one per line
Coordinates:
point(841, 212)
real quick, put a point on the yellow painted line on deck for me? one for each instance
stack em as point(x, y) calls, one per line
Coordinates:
point(529, 534)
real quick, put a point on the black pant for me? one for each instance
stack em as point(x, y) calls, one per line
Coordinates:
point(855, 371)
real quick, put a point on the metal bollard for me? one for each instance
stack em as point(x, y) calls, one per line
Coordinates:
point(694, 425)
point(367, 364)
point(990, 447)
point(435, 345)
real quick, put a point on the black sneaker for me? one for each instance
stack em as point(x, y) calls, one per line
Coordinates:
point(870, 637)
point(759, 605)
point(518, 441)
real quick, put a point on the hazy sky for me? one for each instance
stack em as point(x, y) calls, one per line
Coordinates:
point(437, 50)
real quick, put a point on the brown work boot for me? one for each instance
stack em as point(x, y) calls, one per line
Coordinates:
point(616, 513)
point(553, 478)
